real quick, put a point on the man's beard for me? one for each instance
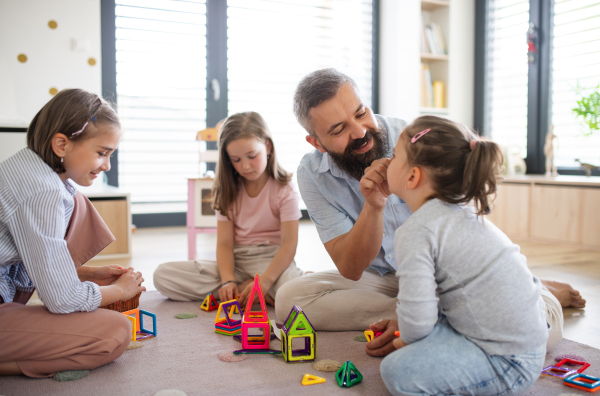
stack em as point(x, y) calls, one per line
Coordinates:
point(355, 164)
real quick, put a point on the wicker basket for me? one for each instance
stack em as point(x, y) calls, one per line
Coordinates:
point(123, 306)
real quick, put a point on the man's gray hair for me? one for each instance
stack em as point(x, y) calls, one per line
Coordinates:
point(314, 89)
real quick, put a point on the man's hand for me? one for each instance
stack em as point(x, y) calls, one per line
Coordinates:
point(384, 344)
point(373, 185)
point(398, 343)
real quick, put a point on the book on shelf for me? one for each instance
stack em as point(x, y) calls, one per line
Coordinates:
point(438, 94)
point(426, 86)
point(434, 40)
point(432, 92)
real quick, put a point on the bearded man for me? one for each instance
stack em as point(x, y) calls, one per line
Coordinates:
point(344, 186)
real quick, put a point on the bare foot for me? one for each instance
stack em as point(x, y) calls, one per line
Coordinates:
point(566, 295)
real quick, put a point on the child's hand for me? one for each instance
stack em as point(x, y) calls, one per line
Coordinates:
point(384, 344)
point(105, 275)
point(373, 185)
point(130, 283)
point(228, 292)
point(398, 343)
point(243, 299)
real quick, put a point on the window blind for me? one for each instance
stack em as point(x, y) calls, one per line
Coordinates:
point(272, 44)
point(161, 98)
point(506, 104)
point(576, 63)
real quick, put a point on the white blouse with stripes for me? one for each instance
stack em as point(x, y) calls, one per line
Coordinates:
point(35, 208)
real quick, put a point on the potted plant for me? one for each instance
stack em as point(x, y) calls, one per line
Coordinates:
point(588, 108)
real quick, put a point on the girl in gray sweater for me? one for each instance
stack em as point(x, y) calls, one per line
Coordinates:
point(471, 317)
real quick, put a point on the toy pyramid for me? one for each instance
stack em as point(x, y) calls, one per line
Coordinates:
point(348, 375)
point(310, 379)
point(297, 325)
point(227, 325)
point(209, 303)
point(253, 320)
point(256, 316)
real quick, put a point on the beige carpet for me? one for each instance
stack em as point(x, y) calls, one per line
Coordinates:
point(184, 356)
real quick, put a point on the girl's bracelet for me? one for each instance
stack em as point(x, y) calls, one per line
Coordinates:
point(228, 282)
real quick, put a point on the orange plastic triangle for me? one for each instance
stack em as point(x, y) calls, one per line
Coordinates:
point(256, 316)
point(310, 379)
point(209, 303)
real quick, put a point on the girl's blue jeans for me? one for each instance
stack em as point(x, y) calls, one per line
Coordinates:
point(447, 363)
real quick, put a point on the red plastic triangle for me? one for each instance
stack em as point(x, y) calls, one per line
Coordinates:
point(256, 316)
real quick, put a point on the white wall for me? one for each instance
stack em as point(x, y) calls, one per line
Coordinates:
point(52, 62)
point(399, 61)
point(461, 68)
point(399, 68)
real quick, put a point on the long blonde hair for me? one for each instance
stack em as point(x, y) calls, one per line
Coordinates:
point(226, 186)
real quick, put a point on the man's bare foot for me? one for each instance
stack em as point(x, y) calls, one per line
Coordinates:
point(566, 295)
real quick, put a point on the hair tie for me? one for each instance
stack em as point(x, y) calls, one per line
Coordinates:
point(472, 144)
point(419, 135)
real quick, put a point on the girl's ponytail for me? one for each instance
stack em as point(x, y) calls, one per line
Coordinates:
point(479, 176)
point(462, 168)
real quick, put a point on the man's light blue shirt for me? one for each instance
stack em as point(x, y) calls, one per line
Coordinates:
point(334, 200)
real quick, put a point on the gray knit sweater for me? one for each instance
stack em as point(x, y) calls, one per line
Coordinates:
point(449, 259)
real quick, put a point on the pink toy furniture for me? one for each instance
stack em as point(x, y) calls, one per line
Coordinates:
point(200, 215)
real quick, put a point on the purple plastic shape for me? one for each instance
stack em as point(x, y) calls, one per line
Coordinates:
point(226, 308)
point(305, 351)
point(551, 371)
point(298, 310)
point(258, 351)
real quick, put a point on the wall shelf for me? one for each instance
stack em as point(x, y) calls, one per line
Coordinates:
point(434, 110)
point(432, 57)
point(430, 5)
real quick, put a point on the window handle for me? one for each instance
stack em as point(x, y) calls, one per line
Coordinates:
point(216, 87)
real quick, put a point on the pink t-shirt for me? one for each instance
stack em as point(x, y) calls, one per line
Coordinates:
point(258, 221)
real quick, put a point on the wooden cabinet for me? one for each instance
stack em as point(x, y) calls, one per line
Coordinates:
point(565, 209)
point(114, 206)
point(511, 208)
point(114, 213)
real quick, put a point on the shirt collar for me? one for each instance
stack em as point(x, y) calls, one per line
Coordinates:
point(70, 188)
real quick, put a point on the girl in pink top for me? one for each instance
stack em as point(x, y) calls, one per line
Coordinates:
point(257, 228)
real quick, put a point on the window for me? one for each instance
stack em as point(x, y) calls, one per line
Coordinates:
point(163, 62)
point(271, 45)
point(161, 97)
point(522, 102)
point(506, 105)
point(575, 64)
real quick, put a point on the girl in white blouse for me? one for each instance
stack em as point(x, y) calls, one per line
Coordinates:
point(71, 137)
